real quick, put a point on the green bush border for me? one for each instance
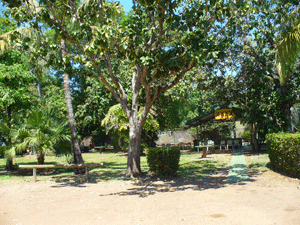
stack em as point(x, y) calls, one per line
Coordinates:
point(163, 161)
point(284, 152)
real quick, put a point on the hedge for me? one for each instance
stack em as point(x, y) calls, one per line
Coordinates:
point(163, 161)
point(284, 152)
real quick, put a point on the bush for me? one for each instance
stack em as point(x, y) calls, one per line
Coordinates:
point(284, 152)
point(163, 161)
point(246, 135)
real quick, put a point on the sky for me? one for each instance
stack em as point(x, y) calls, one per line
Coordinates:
point(127, 4)
point(1, 8)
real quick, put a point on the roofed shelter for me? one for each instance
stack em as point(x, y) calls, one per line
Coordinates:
point(220, 114)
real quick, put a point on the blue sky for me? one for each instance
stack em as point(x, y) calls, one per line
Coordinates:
point(127, 4)
point(1, 8)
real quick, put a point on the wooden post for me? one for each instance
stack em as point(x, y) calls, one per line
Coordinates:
point(87, 173)
point(214, 149)
point(34, 174)
point(204, 152)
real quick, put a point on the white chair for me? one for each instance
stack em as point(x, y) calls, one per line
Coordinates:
point(223, 144)
point(230, 144)
point(236, 144)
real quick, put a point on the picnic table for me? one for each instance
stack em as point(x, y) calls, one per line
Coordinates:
point(205, 149)
point(51, 166)
point(100, 148)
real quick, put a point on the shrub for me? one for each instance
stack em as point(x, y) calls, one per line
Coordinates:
point(246, 135)
point(163, 161)
point(284, 152)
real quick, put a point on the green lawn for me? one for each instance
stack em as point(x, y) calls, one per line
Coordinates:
point(258, 162)
point(191, 168)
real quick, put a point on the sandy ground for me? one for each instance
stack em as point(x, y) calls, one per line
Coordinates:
point(269, 198)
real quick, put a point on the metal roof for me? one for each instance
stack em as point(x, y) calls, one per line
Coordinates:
point(207, 116)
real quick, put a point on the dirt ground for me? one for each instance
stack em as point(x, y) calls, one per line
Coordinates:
point(269, 198)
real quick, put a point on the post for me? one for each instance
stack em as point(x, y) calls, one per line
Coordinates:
point(203, 152)
point(87, 173)
point(214, 149)
point(34, 174)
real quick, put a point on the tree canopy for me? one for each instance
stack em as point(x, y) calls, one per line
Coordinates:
point(172, 59)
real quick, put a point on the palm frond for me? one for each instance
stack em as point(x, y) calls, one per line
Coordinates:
point(4, 129)
point(288, 48)
point(115, 119)
point(23, 32)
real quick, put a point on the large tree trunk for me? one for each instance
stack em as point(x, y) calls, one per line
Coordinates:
point(41, 158)
point(254, 141)
point(133, 160)
point(135, 131)
point(75, 143)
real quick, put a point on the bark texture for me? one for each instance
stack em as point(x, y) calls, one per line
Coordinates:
point(75, 143)
point(254, 141)
point(41, 158)
point(134, 152)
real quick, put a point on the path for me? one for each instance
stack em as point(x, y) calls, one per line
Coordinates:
point(238, 169)
point(270, 198)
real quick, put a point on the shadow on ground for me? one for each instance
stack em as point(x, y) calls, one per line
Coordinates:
point(110, 171)
point(199, 175)
point(150, 185)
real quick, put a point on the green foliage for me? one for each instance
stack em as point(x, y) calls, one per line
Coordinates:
point(116, 123)
point(6, 25)
point(160, 40)
point(252, 82)
point(246, 135)
point(296, 118)
point(163, 161)
point(15, 81)
point(288, 48)
point(284, 152)
point(116, 119)
point(41, 132)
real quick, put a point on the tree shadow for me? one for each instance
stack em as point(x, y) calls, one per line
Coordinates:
point(257, 168)
point(199, 175)
point(110, 171)
point(150, 185)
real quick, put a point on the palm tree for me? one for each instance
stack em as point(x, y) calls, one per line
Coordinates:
point(40, 133)
point(30, 32)
point(288, 48)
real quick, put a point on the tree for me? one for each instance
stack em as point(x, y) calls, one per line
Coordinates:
point(71, 116)
point(116, 120)
point(251, 89)
point(256, 36)
point(93, 101)
point(41, 132)
point(288, 48)
point(27, 32)
point(163, 40)
point(273, 15)
point(16, 92)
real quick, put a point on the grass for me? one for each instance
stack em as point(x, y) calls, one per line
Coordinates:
point(258, 162)
point(192, 167)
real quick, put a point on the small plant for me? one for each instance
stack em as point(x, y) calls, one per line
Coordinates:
point(163, 161)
